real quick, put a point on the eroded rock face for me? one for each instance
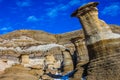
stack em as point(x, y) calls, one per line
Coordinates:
point(48, 58)
point(58, 53)
point(32, 54)
point(103, 45)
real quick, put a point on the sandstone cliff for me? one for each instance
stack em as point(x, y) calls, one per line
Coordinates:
point(103, 45)
point(92, 52)
point(34, 53)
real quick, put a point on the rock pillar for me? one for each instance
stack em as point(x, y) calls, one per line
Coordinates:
point(68, 63)
point(25, 58)
point(103, 45)
point(80, 49)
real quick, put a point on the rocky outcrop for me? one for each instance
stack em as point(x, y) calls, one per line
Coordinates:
point(18, 72)
point(103, 45)
point(22, 53)
point(26, 52)
point(27, 55)
point(31, 55)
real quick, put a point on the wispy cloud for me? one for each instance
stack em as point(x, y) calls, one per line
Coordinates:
point(111, 10)
point(24, 3)
point(74, 2)
point(6, 29)
point(32, 19)
point(54, 11)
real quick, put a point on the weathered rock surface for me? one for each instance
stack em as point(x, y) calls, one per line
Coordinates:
point(30, 55)
point(103, 45)
point(42, 57)
point(21, 50)
point(18, 72)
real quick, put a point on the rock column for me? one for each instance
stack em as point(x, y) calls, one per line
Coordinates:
point(103, 45)
point(68, 63)
point(25, 58)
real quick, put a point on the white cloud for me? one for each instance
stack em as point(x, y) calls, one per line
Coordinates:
point(24, 3)
point(6, 28)
point(112, 10)
point(74, 2)
point(53, 12)
point(32, 19)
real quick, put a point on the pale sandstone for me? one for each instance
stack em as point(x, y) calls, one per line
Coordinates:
point(103, 45)
point(62, 53)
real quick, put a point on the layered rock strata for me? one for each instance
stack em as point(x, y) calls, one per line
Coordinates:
point(29, 55)
point(39, 58)
point(103, 45)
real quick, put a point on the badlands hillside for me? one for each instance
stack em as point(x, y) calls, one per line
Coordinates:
point(91, 53)
point(27, 54)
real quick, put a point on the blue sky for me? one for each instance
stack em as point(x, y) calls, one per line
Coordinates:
point(52, 16)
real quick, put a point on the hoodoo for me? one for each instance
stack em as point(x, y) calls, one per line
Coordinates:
point(103, 45)
point(37, 55)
